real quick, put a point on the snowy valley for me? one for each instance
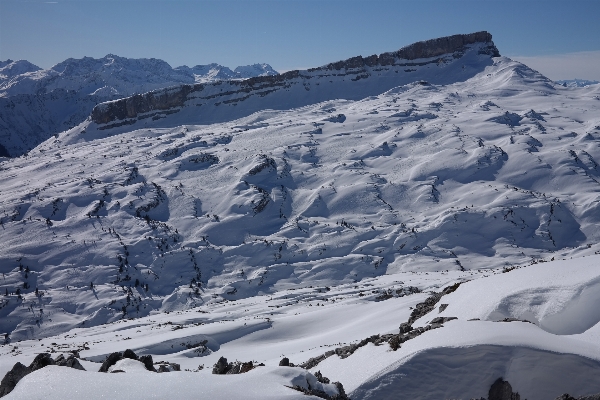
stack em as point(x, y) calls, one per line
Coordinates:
point(416, 224)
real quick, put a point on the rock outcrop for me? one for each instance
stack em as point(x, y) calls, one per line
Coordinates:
point(222, 367)
point(502, 390)
point(19, 371)
point(112, 359)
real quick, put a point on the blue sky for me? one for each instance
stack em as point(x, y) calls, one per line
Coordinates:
point(559, 38)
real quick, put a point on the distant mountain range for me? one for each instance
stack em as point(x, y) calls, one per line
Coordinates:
point(37, 103)
point(577, 82)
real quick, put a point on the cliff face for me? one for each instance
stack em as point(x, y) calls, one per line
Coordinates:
point(443, 60)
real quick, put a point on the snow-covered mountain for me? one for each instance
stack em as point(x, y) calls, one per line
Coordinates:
point(36, 104)
point(577, 82)
point(421, 222)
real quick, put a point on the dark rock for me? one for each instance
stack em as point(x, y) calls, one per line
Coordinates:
point(445, 45)
point(341, 392)
point(110, 361)
point(441, 320)
point(285, 362)
point(116, 371)
point(405, 327)
point(70, 362)
point(321, 378)
point(314, 361)
point(163, 368)
point(233, 368)
point(130, 354)
point(510, 319)
point(340, 118)
point(501, 390)
point(442, 307)
point(61, 361)
point(395, 342)
point(40, 361)
point(148, 363)
point(13, 377)
point(73, 362)
point(245, 367)
point(429, 304)
point(168, 367)
point(220, 367)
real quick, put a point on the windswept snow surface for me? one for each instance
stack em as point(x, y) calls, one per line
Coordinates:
point(292, 232)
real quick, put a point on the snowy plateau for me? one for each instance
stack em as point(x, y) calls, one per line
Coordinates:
point(421, 224)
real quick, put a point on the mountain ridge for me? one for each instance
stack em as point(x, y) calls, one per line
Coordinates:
point(465, 55)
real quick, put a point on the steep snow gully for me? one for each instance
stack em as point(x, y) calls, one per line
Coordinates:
point(416, 224)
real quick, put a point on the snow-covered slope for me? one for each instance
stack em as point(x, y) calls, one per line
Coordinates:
point(36, 103)
point(296, 231)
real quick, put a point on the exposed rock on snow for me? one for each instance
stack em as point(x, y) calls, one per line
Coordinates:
point(13, 377)
point(113, 359)
point(19, 371)
point(222, 367)
point(501, 390)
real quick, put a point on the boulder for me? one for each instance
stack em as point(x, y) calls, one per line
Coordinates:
point(148, 363)
point(130, 354)
point(167, 367)
point(73, 362)
point(40, 361)
point(501, 390)
point(405, 327)
point(13, 377)
point(220, 367)
point(110, 361)
point(441, 320)
point(285, 362)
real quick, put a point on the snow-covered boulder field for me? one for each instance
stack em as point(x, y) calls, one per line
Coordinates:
point(419, 224)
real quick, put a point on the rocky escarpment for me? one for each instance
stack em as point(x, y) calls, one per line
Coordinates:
point(462, 55)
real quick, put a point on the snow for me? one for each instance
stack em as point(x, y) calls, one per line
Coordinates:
point(289, 226)
point(557, 296)
point(58, 383)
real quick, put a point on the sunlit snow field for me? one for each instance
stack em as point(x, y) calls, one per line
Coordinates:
point(289, 233)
